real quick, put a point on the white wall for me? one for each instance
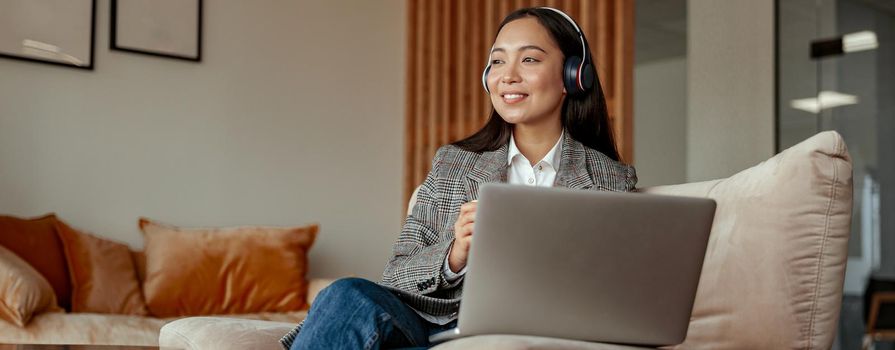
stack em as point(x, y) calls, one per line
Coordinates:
point(660, 123)
point(709, 114)
point(294, 116)
point(730, 75)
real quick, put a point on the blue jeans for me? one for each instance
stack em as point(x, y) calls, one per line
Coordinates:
point(354, 313)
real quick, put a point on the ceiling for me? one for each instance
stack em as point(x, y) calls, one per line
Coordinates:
point(887, 6)
point(660, 30)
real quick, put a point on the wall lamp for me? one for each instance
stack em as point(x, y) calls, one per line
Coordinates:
point(854, 42)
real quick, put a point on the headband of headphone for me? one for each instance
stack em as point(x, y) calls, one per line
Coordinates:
point(578, 73)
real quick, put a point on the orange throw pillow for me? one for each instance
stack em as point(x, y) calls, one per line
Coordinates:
point(35, 241)
point(237, 270)
point(103, 275)
point(23, 291)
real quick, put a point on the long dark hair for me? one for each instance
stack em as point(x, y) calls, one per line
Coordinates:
point(584, 117)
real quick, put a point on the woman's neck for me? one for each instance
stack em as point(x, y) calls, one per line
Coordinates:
point(535, 141)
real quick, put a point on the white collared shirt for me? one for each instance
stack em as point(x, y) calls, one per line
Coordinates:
point(521, 172)
point(543, 173)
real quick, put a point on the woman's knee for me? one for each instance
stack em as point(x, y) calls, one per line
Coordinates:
point(347, 290)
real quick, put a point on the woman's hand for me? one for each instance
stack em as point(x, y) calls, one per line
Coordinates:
point(462, 237)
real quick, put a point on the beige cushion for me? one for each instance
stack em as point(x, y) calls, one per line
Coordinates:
point(24, 292)
point(223, 333)
point(775, 262)
point(262, 332)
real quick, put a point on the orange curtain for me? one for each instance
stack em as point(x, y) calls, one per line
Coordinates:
point(447, 46)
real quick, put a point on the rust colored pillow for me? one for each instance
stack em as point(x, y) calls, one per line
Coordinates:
point(208, 271)
point(35, 241)
point(103, 275)
point(23, 291)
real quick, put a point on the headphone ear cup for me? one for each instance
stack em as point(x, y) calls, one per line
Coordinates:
point(570, 75)
point(485, 78)
point(587, 77)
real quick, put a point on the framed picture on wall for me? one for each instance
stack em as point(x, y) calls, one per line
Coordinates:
point(59, 32)
point(163, 28)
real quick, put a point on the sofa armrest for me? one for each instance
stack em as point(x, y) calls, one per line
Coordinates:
point(225, 333)
point(222, 333)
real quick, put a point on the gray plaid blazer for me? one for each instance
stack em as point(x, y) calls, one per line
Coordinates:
point(414, 272)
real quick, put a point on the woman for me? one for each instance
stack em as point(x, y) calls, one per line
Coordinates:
point(549, 127)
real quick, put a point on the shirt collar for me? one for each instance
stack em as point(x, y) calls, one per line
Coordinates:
point(552, 158)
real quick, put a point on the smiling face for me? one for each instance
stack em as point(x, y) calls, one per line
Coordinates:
point(525, 79)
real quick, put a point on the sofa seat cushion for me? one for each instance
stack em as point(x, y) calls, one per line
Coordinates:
point(524, 342)
point(263, 331)
point(227, 333)
point(223, 333)
point(106, 329)
point(84, 328)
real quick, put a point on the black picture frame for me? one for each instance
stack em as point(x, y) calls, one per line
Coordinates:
point(91, 49)
point(115, 45)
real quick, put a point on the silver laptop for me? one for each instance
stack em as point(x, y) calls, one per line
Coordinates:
point(586, 265)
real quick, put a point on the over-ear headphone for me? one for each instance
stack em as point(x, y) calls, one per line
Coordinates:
point(577, 72)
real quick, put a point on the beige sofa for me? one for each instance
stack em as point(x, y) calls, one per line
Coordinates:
point(110, 329)
point(772, 277)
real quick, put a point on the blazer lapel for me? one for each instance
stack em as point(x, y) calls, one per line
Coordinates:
point(573, 166)
point(489, 167)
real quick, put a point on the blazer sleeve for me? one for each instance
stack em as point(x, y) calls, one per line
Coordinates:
point(419, 253)
point(630, 178)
